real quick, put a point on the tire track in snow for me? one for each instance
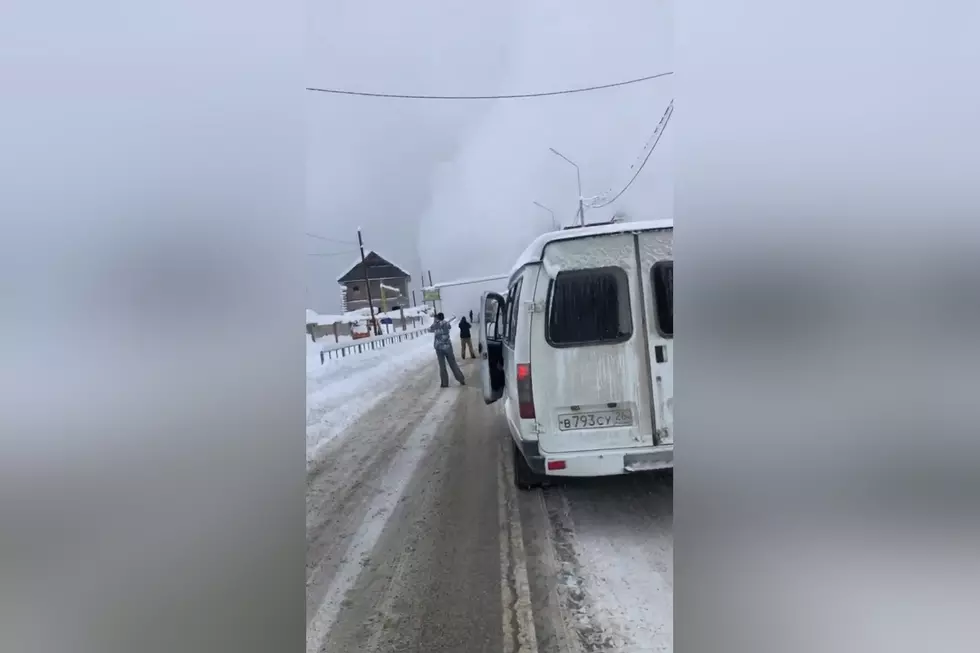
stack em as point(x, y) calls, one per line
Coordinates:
point(392, 485)
point(343, 390)
point(341, 484)
point(600, 555)
point(518, 612)
point(623, 529)
point(573, 591)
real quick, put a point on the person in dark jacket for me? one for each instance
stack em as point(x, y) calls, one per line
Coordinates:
point(464, 339)
point(443, 345)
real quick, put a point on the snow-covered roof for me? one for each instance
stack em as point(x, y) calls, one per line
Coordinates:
point(349, 268)
point(535, 250)
point(357, 262)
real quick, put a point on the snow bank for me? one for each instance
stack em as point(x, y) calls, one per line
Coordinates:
point(340, 391)
point(312, 353)
point(361, 314)
point(364, 313)
point(312, 317)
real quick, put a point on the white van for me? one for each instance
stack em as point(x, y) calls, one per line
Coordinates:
point(581, 352)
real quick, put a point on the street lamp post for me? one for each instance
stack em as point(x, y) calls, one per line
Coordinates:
point(578, 177)
point(554, 220)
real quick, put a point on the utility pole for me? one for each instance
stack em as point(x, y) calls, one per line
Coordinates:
point(367, 283)
point(578, 177)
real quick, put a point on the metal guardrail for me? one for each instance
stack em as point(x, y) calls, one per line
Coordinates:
point(374, 343)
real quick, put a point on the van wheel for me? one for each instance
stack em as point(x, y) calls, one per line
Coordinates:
point(524, 477)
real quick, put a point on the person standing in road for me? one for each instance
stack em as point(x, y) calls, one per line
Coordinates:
point(464, 339)
point(443, 345)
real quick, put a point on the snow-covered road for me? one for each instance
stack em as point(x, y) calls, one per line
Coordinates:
point(603, 563)
point(340, 391)
point(417, 539)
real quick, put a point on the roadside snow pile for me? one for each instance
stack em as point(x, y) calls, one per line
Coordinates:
point(328, 341)
point(365, 314)
point(340, 390)
point(312, 353)
point(312, 317)
point(417, 311)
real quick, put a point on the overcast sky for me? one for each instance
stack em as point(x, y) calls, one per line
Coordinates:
point(448, 186)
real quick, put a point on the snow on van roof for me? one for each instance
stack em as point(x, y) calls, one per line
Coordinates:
point(535, 250)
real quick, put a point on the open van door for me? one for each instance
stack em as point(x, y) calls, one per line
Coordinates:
point(491, 343)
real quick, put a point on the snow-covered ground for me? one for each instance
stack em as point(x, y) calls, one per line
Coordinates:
point(340, 390)
point(312, 317)
point(401, 481)
point(626, 554)
point(610, 562)
point(329, 342)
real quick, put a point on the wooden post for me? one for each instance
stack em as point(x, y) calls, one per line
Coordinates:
point(336, 335)
point(430, 285)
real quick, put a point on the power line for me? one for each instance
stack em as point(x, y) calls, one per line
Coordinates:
point(515, 96)
point(601, 199)
point(658, 132)
point(333, 240)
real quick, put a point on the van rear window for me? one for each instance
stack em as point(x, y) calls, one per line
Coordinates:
point(662, 277)
point(589, 307)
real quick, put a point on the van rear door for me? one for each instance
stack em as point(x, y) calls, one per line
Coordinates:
point(656, 250)
point(490, 340)
point(589, 365)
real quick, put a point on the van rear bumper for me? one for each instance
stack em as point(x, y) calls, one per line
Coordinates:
point(609, 462)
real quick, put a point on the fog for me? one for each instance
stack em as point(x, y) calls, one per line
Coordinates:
point(481, 214)
point(448, 186)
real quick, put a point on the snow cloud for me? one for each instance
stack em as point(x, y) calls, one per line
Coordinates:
point(482, 211)
point(450, 186)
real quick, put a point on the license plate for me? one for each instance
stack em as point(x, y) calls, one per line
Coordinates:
point(599, 419)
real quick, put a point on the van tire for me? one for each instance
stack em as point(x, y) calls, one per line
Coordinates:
point(524, 477)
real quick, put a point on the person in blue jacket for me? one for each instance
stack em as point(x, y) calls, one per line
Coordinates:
point(443, 344)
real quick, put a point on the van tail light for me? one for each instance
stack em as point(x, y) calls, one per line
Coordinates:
point(525, 393)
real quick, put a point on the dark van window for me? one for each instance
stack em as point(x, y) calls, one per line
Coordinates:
point(494, 326)
point(589, 307)
point(505, 317)
point(662, 276)
point(515, 302)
